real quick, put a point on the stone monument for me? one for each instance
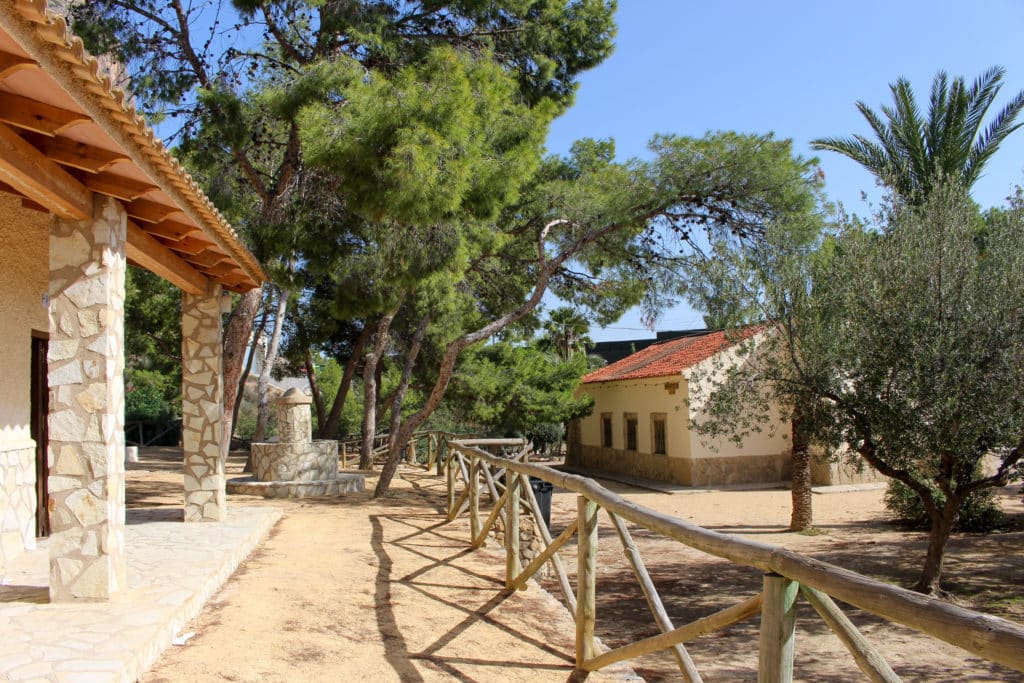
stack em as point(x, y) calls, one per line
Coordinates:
point(295, 466)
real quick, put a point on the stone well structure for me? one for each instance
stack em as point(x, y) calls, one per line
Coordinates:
point(295, 466)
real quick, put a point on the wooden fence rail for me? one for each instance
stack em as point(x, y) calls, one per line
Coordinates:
point(788, 575)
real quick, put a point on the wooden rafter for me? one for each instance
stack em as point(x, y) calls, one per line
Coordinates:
point(125, 189)
point(75, 154)
point(174, 231)
point(35, 116)
point(9, 64)
point(206, 259)
point(189, 246)
point(40, 180)
point(150, 212)
point(146, 251)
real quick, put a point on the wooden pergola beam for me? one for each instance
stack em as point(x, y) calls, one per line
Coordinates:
point(35, 116)
point(146, 251)
point(125, 189)
point(76, 154)
point(42, 181)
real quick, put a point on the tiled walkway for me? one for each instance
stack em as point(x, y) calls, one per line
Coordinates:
point(173, 568)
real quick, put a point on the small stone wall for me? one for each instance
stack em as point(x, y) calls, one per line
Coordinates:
point(344, 483)
point(300, 462)
point(530, 542)
point(17, 500)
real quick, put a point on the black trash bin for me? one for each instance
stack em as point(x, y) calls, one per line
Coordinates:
point(542, 492)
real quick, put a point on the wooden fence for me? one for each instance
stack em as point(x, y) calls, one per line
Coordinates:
point(788, 575)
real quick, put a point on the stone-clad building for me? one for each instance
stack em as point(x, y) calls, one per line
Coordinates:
point(85, 190)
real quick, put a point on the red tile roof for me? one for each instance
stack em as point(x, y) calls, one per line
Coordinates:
point(668, 358)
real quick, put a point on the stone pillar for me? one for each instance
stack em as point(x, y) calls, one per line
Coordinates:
point(202, 399)
point(86, 421)
point(294, 419)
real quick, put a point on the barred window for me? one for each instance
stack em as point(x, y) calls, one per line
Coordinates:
point(606, 430)
point(658, 434)
point(630, 431)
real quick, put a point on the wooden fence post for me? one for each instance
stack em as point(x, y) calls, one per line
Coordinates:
point(586, 579)
point(450, 480)
point(474, 498)
point(778, 627)
point(512, 563)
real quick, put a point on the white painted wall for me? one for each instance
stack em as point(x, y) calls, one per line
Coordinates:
point(642, 397)
point(24, 280)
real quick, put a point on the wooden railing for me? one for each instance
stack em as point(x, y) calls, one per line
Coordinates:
point(787, 574)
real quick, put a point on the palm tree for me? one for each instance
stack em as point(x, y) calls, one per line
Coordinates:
point(565, 333)
point(911, 151)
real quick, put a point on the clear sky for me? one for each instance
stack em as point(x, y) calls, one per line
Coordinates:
point(793, 68)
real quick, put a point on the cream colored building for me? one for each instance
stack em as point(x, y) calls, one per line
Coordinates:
point(85, 190)
point(644, 406)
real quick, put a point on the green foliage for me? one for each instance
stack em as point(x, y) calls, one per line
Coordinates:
point(152, 336)
point(440, 138)
point(912, 152)
point(904, 343)
point(146, 395)
point(979, 512)
point(507, 389)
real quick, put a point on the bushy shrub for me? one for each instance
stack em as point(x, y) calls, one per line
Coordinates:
point(544, 435)
point(980, 512)
point(146, 396)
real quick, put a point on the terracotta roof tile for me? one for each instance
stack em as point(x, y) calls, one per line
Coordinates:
point(668, 358)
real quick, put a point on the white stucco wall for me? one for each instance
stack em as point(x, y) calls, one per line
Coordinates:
point(642, 397)
point(24, 280)
point(774, 437)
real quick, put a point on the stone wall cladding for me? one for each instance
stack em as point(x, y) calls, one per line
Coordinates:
point(740, 469)
point(17, 500)
point(295, 461)
point(202, 393)
point(344, 483)
point(86, 420)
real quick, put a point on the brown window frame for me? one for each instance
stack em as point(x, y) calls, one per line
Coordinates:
point(627, 420)
point(656, 420)
point(606, 430)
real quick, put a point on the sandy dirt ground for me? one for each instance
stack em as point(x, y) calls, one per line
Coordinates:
point(354, 589)
point(350, 589)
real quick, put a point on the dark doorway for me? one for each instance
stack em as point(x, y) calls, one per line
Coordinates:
point(40, 409)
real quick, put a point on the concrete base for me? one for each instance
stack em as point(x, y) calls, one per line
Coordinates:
point(345, 483)
point(173, 569)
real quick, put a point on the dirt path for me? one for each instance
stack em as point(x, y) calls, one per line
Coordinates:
point(350, 589)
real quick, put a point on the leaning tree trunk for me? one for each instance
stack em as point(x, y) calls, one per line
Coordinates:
point(396, 447)
point(370, 388)
point(942, 521)
point(262, 387)
point(802, 517)
point(236, 341)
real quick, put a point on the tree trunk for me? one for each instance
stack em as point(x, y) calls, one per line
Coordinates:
point(370, 388)
point(262, 400)
point(236, 341)
point(938, 535)
point(244, 377)
point(396, 447)
point(314, 387)
point(329, 428)
point(451, 355)
point(802, 517)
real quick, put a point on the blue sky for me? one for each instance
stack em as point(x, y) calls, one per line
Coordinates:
point(793, 68)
